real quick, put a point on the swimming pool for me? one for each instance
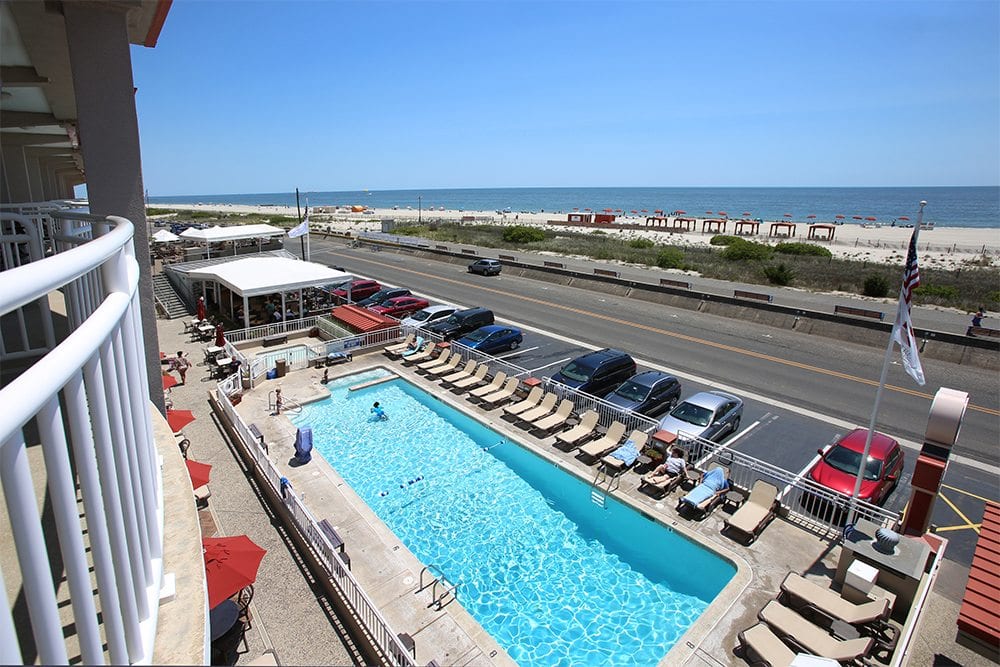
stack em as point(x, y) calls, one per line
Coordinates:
point(553, 577)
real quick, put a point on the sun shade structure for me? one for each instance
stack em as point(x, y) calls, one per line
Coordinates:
point(201, 473)
point(231, 233)
point(178, 419)
point(163, 236)
point(231, 564)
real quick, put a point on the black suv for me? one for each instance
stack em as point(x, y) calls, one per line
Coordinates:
point(650, 393)
point(598, 372)
point(461, 322)
point(383, 295)
point(486, 267)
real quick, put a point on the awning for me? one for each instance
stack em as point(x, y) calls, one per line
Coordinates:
point(231, 233)
point(255, 276)
point(362, 320)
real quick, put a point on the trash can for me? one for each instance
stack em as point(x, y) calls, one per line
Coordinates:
point(281, 367)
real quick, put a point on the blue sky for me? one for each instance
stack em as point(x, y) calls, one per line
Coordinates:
point(241, 97)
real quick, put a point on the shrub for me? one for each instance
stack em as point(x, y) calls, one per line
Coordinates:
point(522, 234)
point(159, 211)
point(994, 297)
point(199, 215)
point(641, 243)
point(412, 230)
point(875, 285)
point(943, 291)
point(723, 239)
point(779, 274)
point(741, 249)
point(670, 258)
point(600, 232)
point(802, 249)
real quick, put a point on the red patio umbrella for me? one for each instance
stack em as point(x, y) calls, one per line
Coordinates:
point(903, 217)
point(586, 209)
point(200, 473)
point(723, 214)
point(708, 213)
point(659, 210)
point(856, 217)
point(575, 208)
point(839, 217)
point(178, 419)
point(169, 381)
point(231, 564)
point(647, 211)
point(634, 211)
point(618, 210)
point(871, 218)
point(746, 213)
point(220, 336)
point(811, 217)
point(608, 210)
point(788, 215)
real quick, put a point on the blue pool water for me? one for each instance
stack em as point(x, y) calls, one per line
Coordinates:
point(553, 577)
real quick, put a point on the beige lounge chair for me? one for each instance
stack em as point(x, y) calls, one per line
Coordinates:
point(586, 428)
point(712, 498)
point(595, 449)
point(760, 646)
point(476, 378)
point(754, 515)
point(531, 401)
point(429, 348)
point(399, 347)
point(501, 395)
point(616, 465)
point(493, 386)
point(440, 360)
point(545, 407)
point(814, 639)
point(663, 483)
point(556, 419)
point(467, 371)
point(448, 368)
point(800, 593)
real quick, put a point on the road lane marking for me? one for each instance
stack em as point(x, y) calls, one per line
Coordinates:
point(967, 493)
point(957, 511)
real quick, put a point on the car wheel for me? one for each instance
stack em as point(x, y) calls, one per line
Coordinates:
point(513, 345)
point(736, 425)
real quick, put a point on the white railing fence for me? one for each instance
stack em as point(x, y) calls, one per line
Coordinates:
point(366, 612)
point(275, 329)
point(89, 398)
point(20, 244)
point(607, 412)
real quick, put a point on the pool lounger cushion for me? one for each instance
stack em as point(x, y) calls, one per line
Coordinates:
point(595, 449)
point(761, 646)
point(751, 518)
point(816, 640)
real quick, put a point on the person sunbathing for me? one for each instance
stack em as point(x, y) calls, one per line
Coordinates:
point(670, 468)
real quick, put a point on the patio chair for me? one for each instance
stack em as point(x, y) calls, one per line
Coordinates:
point(422, 355)
point(787, 623)
point(446, 369)
point(556, 419)
point(664, 483)
point(493, 386)
point(624, 457)
point(871, 617)
point(399, 347)
point(705, 497)
point(595, 449)
point(440, 360)
point(531, 401)
point(467, 371)
point(545, 407)
point(476, 378)
point(760, 646)
point(754, 515)
point(201, 495)
point(583, 430)
point(505, 394)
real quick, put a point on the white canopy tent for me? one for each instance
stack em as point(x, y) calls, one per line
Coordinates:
point(261, 276)
point(231, 233)
point(163, 236)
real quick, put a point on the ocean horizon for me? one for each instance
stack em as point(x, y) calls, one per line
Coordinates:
point(947, 206)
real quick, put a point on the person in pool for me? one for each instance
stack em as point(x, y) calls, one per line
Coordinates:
point(379, 412)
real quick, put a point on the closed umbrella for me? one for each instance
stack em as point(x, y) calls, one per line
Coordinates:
point(231, 564)
point(220, 336)
point(178, 419)
point(201, 307)
point(200, 473)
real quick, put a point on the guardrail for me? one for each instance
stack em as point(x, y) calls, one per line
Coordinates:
point(365, 611)
point(21, 244)
point(607, 412)
point(265, 330)
point(87, 395)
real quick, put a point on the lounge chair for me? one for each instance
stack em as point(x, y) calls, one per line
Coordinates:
point(556, 419)
point(705, 497)
point(531, 401)
point(422, 355)
point(420, 343)
point(801, 594)
point(441, 360)
point(754, 515)
point(814, 639)
point(501, 395)
point(595, 449)
point(399, 347)
point(476, 378)
point(467, 371)
point(760, 646)
point(448, 368)
point(545, 407)
point(493, 386)
point(663, 483)
point(586, 428)
point(624, 457)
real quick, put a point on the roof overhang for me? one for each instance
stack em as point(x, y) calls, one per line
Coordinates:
point(256, 276)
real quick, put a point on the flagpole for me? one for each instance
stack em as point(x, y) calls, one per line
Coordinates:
point(881, 386)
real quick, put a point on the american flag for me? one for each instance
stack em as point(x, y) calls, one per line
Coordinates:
point(902, 330)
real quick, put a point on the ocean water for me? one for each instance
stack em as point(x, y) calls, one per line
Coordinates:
point(946, 206)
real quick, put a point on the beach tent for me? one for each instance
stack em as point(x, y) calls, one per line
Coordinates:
point(230, 233)
point(260, 276)
point(163, 236)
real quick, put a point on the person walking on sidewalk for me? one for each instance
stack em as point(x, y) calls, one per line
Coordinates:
point(181, 365)
point(977, 321)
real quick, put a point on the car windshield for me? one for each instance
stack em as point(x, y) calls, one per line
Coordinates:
point(575, 371)
point(692, 414)
point(420, 315)
point(845, 460)
point(477, 335)
point(633, 391)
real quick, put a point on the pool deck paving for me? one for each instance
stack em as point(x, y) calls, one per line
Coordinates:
point(289, 606)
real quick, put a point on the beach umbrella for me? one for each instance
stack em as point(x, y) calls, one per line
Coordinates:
point(680, 212)
point(586, 209)
point(178, 419)
point(618, 210)
point(856, 217)
point(811, 217)
point(871, 218)
point(199, 472)
point(575, 208)
point(708, 213)
point(646, 211)
point(220, 335)
point(608, 210)
point(659, 211)
point(723, 214)
point(839, 217)
point(788, 215)
point(634, 211)
point(903, 217)
point(169, 381)
point(746, 214)
point(231, 564)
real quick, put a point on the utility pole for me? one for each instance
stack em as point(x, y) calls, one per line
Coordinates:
point(420, 217)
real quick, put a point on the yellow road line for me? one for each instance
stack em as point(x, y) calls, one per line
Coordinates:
point(945, 529)
point(957, 511)
point(690, 339)
point(971, 495)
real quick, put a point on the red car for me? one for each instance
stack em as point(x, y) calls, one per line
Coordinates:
point(358, 289)
point(837, 468)
point(400, 306)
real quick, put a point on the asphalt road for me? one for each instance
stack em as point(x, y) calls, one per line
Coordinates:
point(801, 391)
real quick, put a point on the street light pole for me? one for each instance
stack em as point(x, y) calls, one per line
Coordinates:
point(420, 216)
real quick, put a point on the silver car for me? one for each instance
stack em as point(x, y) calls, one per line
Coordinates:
point(710, 414)
point(427, 316)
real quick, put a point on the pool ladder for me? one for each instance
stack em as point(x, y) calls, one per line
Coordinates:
point(447, 588)
point(288, 405)
point(598, 495)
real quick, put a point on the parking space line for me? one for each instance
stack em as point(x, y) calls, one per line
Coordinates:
point(730, 442)
point(554, 363)
point(967, 493)
point(961, 526)
point(514, 353)
point(957, 511)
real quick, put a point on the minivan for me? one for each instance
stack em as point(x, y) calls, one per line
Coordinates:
point(597, 373)
point(462, 322)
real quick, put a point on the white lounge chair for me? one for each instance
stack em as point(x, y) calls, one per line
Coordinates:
point(545, 407)
point(447, 368)
point(556, 419)
point(754, 515)
point(476, 378)
point(399, 347)
point(441, 360)
point(495, 385)
point(420, 356)
point(760, 646)
point(586, 428)
point(787, 623)
point(800, 593)
point(595, 449)
point(502, 395)
point(467, 371)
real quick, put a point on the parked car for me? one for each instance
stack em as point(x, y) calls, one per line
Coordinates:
point(462, 322)
point(650, 393)
point(355, 289)
point(493, 338)
point(837, 467)
point(598, 372)
point(400, 306)
point(709, 414)
point(486, 267)
point(428, 315)
point(383, 295)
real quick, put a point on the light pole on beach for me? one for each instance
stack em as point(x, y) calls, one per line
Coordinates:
point(420, 217)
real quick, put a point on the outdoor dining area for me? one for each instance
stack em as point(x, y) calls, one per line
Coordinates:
point(231, 566)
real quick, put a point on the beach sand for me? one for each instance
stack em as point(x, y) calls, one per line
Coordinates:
point(941, 247)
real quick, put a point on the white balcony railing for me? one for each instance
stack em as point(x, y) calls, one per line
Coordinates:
point(85, 403)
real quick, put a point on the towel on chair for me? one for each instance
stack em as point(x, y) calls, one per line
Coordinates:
point(303, 444)
point(417, 344)
point(627, 453)
point(713, 482)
